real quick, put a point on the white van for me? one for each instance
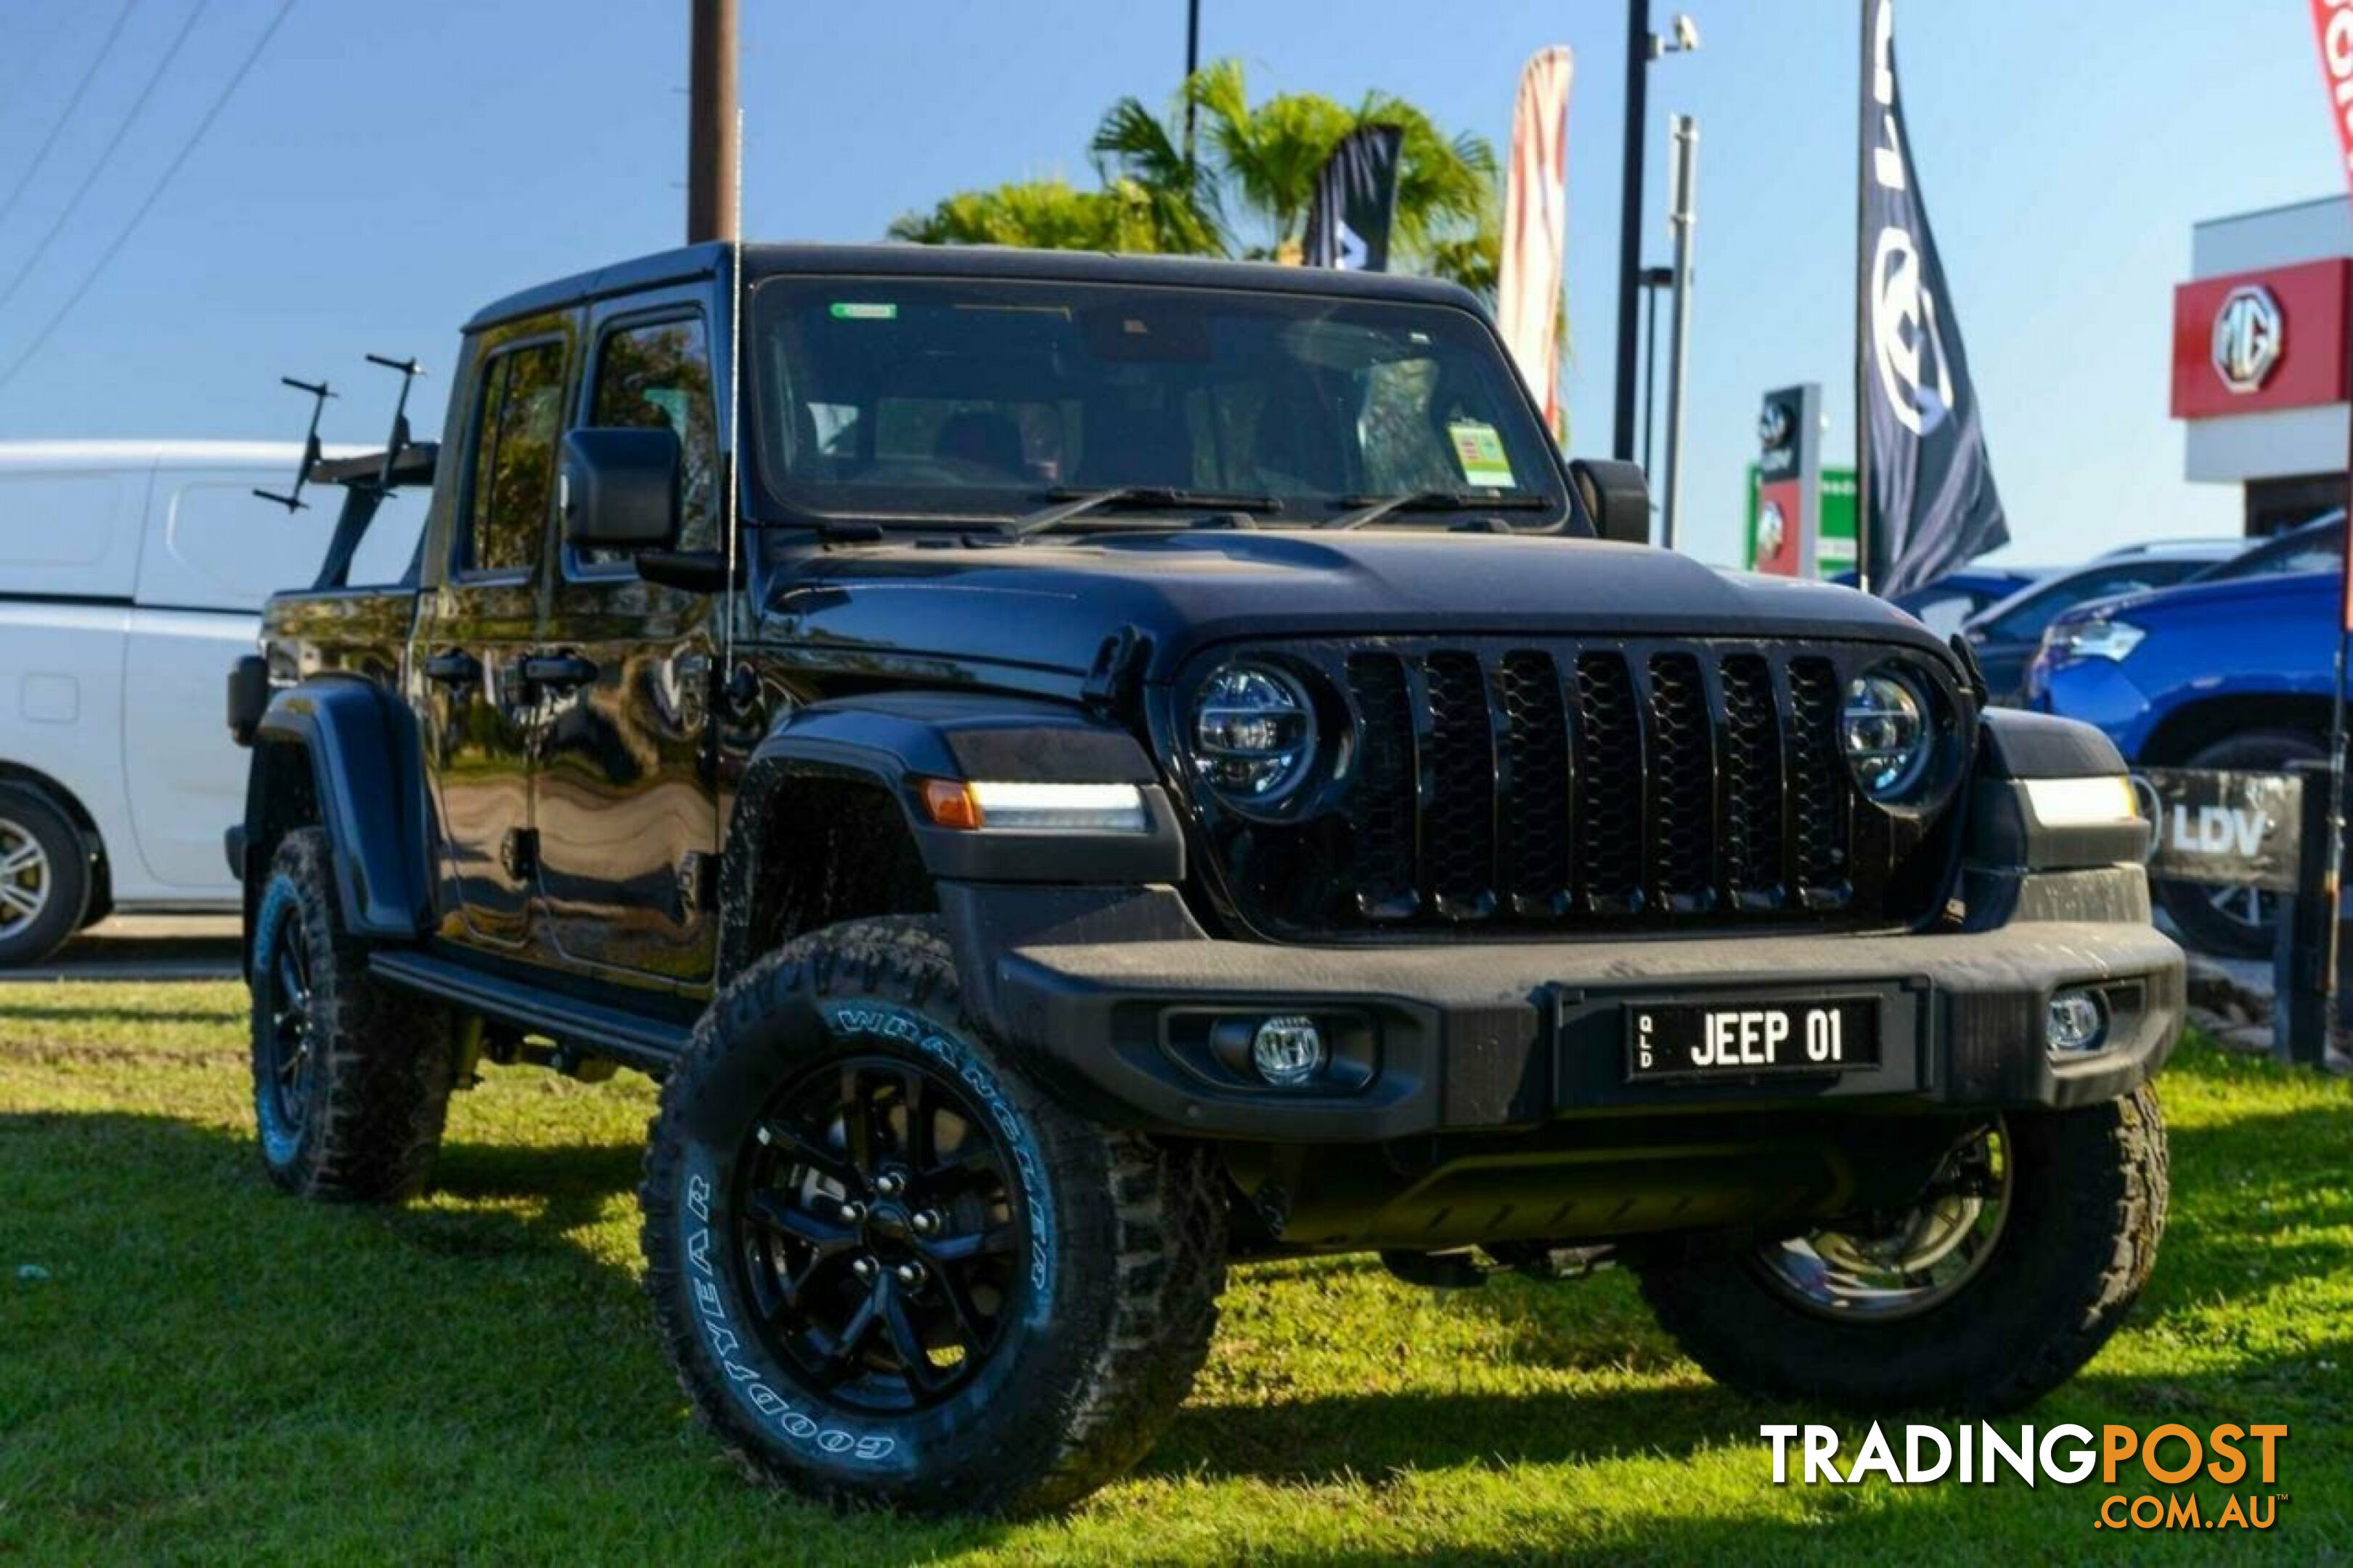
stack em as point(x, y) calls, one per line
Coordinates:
point(130, 575)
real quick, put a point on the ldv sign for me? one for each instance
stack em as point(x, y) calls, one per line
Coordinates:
point(2229, 829)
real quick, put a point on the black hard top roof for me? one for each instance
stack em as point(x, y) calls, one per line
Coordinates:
point(690, 262)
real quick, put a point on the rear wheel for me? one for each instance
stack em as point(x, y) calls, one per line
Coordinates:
point(351, 1077)
point(2020, 1259)
point(44, 878)
point(2238, 921)
point(887, 1269)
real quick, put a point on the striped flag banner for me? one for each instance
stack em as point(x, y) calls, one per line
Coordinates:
point(2332, 29)
point(1536, 227)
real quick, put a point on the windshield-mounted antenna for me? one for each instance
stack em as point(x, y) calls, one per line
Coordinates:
point(320, 391)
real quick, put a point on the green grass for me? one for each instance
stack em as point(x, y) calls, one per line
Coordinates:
point(192, 1366)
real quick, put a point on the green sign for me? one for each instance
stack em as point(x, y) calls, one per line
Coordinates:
point(1834, 553)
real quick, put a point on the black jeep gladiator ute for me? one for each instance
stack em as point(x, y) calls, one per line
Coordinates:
point(1075, 770)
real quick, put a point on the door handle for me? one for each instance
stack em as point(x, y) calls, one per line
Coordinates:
point(453, 668)
point(559, 672)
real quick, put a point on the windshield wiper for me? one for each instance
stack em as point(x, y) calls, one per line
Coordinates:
point(1372, 508)
point(1071, 503)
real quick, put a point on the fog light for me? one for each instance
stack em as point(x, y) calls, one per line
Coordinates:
point(2076, 1022)
point(1288, 1050)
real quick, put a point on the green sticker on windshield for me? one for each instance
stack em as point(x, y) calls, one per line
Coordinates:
point(1479, 453)
point(863, 311)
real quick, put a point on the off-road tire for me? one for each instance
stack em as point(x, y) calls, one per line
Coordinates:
point(2089, 1201)
point(1120, 1295)
point(2191, 904)
point(67, 891)
point(382, 1059)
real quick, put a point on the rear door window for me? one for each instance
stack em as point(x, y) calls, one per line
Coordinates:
point(513, 488)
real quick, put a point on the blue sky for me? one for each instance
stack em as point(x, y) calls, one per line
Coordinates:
point(387, 167)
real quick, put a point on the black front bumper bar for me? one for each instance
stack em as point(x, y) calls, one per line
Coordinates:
point(1114, 1016)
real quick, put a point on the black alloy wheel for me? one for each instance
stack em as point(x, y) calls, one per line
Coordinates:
point(292, 1040)
point(879, 1232)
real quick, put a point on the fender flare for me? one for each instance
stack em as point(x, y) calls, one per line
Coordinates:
point(892, 742)
point(366, 767)
point(2015, 750)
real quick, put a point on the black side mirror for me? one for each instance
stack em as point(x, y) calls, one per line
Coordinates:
point(1616, 497)
point(620, 488)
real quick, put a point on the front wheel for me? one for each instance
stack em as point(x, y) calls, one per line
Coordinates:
point(887, 1269)
point(2022, 1256)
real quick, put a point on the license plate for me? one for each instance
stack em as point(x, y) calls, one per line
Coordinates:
point(1747, 1040)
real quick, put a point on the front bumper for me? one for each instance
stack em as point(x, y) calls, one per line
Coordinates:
point(1104, 1002)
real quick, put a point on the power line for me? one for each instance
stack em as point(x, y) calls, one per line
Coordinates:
point(49, 143)
point(106, 155)
point(114, 247)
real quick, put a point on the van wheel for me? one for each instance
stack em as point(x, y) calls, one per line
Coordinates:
point(887, 1269)
point(351, 1077)
point(2022, 1256)
point(2242, 922)
point(44, 878)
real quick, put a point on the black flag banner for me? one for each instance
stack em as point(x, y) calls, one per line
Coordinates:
point(1932, 503)
point(1355, 193)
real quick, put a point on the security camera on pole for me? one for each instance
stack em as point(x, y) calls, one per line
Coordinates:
point(1642, 47)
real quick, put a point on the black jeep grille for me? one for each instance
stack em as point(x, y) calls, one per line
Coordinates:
point(1563, 787)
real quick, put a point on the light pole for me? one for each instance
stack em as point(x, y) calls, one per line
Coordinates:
point(1642, 47)
point(1192, 68)
point(1654, 278)
point(1684, 215)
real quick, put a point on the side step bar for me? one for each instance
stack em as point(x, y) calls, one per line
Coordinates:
point(632, 1039)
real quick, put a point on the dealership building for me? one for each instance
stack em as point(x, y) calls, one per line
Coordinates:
point(2262, 379)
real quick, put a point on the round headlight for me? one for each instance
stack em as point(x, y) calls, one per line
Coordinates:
point(1253, 732)
point(1884, 723)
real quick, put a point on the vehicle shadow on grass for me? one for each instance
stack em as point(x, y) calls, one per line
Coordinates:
point(2234, 1186)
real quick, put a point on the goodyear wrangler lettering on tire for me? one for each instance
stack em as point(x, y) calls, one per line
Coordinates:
point(888, 1270)
point(710, 1313)
point(891, 1023)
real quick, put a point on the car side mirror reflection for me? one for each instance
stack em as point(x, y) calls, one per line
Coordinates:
point(1617, 498)
point(619, 489)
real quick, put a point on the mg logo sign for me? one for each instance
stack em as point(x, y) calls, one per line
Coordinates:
point(2248, 337)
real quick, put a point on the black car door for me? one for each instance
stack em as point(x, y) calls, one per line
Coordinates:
point(478, 623)
point(624, 798)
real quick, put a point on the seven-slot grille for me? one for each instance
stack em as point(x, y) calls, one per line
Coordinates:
point(1566, 786)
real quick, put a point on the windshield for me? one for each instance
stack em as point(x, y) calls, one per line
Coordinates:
point(926, 398)
point(2314, 547)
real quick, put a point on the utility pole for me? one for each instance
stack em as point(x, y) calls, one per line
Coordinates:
point(1192, 69)
point(712, 150)
point(1684, 218)
point(1642, 47)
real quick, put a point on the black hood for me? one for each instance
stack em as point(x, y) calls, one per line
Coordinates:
point(1051, 604)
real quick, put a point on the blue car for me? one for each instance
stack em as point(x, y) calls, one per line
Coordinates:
point(2231, 669)
point(1944, 604)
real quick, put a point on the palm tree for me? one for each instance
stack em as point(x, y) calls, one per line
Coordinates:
point(1044, 214)
point(1251, 192)
point(1135, 145)
point(1270, 153)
